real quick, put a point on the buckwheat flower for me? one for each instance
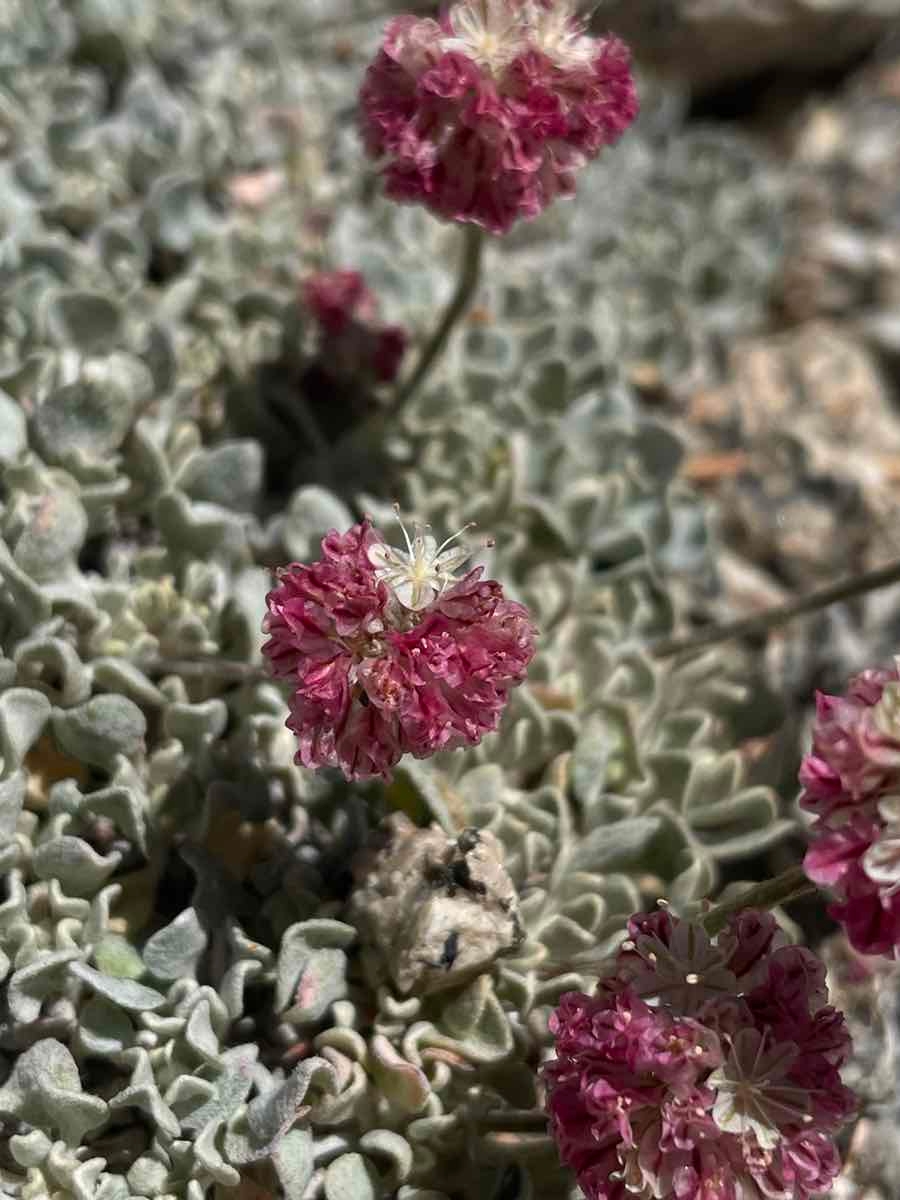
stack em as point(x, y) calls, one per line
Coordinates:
point(851, 783)
point(719, 1081)
point(487, 114)
point(418, 575)
point(754, 1094)
point(843, 769)
point(881, 862)
point(385, 660)
point(352, 342)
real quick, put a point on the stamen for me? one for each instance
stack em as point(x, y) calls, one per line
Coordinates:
point(454, 536)
point(403, 528)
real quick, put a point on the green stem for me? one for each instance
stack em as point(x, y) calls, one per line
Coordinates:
point(870, 581)
point(466, 283)
point(790, 885)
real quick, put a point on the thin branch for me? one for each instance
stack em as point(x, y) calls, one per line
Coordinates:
point(466, 284)
point(790, 885)
point(762, 622)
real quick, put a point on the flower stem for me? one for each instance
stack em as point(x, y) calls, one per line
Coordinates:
point(466, 283)
point(790, 885)
point(870, 581)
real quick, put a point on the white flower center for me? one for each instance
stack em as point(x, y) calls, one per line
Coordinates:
point(684, 974)
point(754, 1094)
point(881, 862)
point(494, 32)
point(421, 572)
point(886, 713)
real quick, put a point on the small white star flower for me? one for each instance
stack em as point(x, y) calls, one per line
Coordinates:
point(754, 1093)
point(495, 32)
point(881, 862)
point(490, 32)
point(687, 973)
point(421, 572)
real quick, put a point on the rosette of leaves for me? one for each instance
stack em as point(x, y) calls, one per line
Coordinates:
point(235, 1041)
point(183, 1105)
point(675, 208)
point(33, 36)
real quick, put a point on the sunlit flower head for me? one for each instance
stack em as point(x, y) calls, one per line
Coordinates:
point(389, 655)
point(488, 114)
point(754, 1094)
point(421, 572)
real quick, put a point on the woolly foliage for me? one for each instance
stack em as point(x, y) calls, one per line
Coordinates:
point(186, 1008)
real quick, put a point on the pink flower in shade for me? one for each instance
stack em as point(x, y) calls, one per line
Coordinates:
point(353, 343)
point(487, 114)
point(700, 1069)
point(851, 783)
point(388, 653)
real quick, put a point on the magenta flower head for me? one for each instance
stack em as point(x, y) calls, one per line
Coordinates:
point(851, 783)
point(487, 114)
point(352, 342)
point(388, 653)
point(701, 1069)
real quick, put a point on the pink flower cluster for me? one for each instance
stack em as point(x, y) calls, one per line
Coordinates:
point(487, 114)
point(353, 343)
point(374, 678)
point(701, 1069)
point(851, 783)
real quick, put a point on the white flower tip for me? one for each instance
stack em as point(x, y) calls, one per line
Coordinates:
point(379, 555)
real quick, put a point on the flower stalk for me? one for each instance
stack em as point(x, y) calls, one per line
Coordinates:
point(780, 615)
point(790, 885)
point(466, 286)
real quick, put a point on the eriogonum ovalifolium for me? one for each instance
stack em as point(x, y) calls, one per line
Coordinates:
point(487, 114)
point(701, 1069)
point(389, 654)
point(851, 783)
point(352, 342)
